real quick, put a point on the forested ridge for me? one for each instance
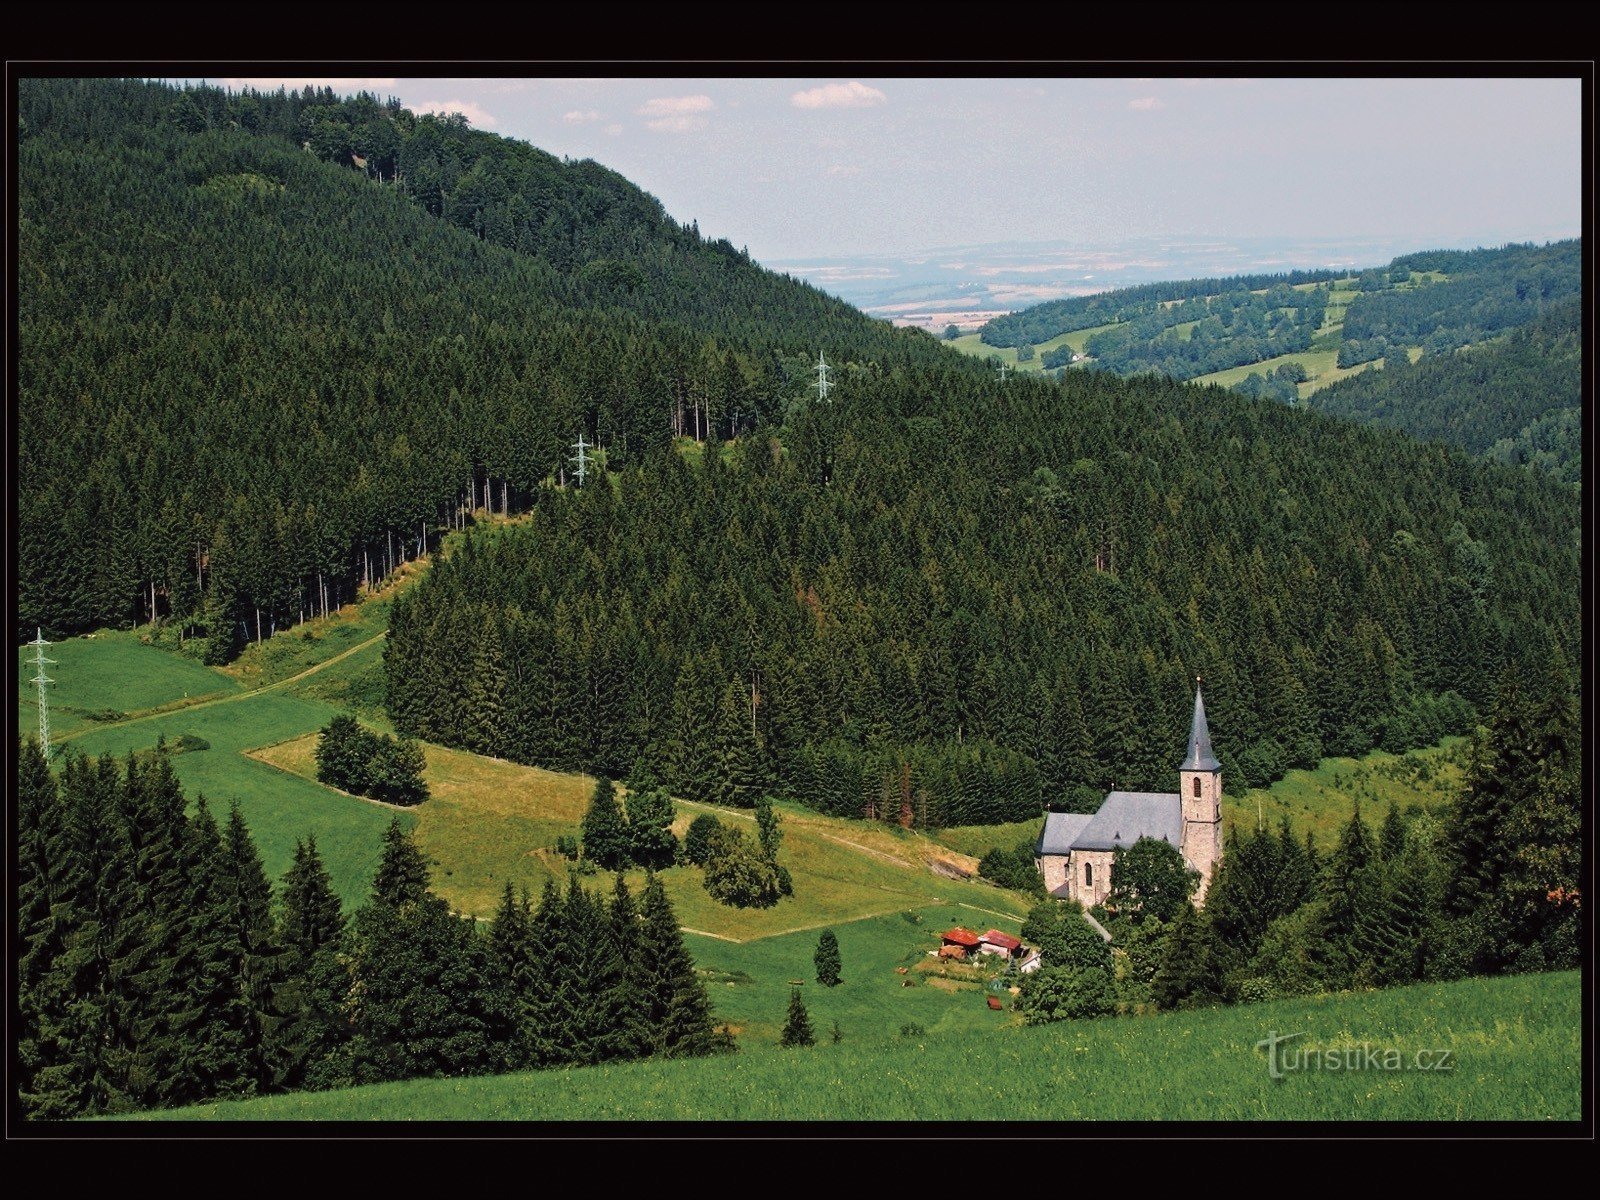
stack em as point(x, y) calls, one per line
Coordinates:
point(1518, 401)
point(254, 375)
point(940, 606)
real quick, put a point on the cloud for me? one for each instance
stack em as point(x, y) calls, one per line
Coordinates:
point(612, 130)
point(676, 114)
point(577, 118)
point(1146, 104)
point(479, 116)
point(838, 95)
point(341, 84)
point(841, 169)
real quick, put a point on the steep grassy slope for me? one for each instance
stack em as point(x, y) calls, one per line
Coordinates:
point(1514, 1046)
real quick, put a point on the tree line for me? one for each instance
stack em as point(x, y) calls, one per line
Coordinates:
point(159, 967)
point(1042, 322)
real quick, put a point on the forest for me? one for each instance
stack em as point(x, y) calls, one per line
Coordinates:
point(929, 606)
point(1042, 322)
point(159, 967)
point(1516, 400)
point(1487, 292)
point(252, 380)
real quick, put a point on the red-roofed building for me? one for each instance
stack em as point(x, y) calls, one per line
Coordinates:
point(964, 938)
point(995, 942)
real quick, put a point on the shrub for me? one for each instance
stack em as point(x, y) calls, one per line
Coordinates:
point(737, 874)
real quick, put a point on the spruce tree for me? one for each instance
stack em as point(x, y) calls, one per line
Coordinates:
point(797, 1026)
point(514, 958)
point(306, 1048)
point(625, 929)
point(312, 916)
point(546, 1013)
point(252, 943)
point(402, 876)
point(605, 833)
point(827, 959)
point(679, 1011)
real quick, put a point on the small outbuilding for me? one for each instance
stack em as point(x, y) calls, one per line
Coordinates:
point(995, 942)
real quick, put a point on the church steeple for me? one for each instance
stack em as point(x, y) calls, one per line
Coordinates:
point(1200, 756)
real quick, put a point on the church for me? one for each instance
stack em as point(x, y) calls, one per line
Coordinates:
point(1074, 851)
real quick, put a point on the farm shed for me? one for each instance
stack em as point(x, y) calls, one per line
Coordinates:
point(995, 942)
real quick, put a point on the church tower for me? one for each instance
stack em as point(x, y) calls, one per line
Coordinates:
point(1200, 790)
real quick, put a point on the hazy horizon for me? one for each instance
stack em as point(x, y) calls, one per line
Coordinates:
point(842, 167)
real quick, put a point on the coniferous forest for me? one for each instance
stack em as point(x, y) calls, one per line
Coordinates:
point(158, 968)
point(1517, 401)
point(991, 592)
point(254, 376)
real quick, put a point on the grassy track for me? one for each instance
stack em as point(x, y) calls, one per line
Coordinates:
point(1515, 1045)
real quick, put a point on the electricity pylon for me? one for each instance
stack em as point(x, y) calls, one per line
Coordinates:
point(41, 682)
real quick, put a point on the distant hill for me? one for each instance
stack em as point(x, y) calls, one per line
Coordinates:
point(1518, 400)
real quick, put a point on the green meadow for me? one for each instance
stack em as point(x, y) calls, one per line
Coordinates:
point(1513, 1046)
point(1322, 800)
point(110, 674)
point(490, 821)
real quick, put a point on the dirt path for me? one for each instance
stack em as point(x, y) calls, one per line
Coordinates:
point(230, 697)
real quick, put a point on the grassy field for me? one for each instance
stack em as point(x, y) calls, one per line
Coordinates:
point(1515, 1046)
point(490, 820)
point(749, 984)
point(280, 808)
point(111, 673)
point(978, 840)
point(1322, 800)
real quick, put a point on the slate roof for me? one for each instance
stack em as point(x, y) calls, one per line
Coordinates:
point(1200, 756)
point(1125, 817)
point(1059, 830)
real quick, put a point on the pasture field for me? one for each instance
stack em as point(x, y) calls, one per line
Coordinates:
point(978, 840)
point(280, 808)
point(1321, 800)
point(111, 674)
point(749, 984)
point(490, 820)
point(1514, 1047)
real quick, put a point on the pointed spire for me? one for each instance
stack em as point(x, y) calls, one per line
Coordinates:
point(1200, 757)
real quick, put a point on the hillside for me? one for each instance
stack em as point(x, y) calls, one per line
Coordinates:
point(1517, 400)
point(253, 375)
point(1000, 599)
point(1514, 1045)
point(1290, 335)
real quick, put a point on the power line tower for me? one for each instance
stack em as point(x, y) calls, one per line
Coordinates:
point(823, 383)
point(1004, 367)
point(581, 458)
point(41, 682)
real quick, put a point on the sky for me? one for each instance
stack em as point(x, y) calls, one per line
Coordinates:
point(797, 168)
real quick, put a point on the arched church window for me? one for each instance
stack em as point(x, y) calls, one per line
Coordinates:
point(1197, 787)
point(1088, 874)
